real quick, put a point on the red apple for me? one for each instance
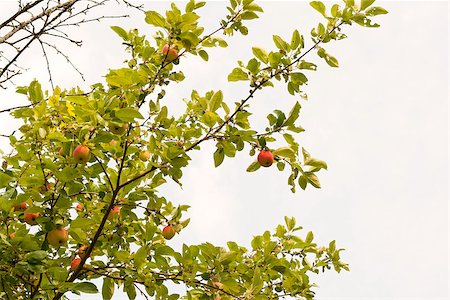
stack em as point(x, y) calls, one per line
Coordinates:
point(144, 155)
point(168, 232)
point(170, 53)
point(79, 207)
point(115, 211)
point(21, 207)
point(75, 263)
point(82, 250)
point(118, 129)
point(31, 218)
point(57, 237)
point(12, 235)
point(265, 158)
point(81, 154)
point(44, 188)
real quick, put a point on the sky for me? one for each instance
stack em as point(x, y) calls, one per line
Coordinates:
point(380, 121)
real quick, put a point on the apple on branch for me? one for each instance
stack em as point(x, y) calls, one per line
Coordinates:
point(75, 263)
point(114, 212)
point(31, 218)
point(58, 237)
point(265, 158)
point(144, 155)
point(169, 52)
point(168, 232)
point(81, 154)
point(116, 128)
point(79, 207)
point(20, 207)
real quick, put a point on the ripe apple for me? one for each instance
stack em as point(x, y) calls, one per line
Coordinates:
point(75, 263)
point(168, 232)
point(44, 188)
point(265, 158)
point(57, 237)
point(82, 250)
point(118, 129)
point(21, 207)
point(144, 155)
point(115, 211)
point(81, 154)
point(12, 235)
point(79, 207)
point(31, 218)
point(170, 53)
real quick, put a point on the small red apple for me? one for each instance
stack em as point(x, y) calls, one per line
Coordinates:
point(118, 129)
point(168, 232)
point(31, 218)
point(115, 211)
point(81, 154)
point(170, 53)
point(57, 237)
point(44, 188)
point(21, 207)
point(79, 207)
point(75, 263)
point(265, 158)
point(144, 155)
point(12, 235)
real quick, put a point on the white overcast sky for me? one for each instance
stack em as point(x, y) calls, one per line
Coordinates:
point(380, 121)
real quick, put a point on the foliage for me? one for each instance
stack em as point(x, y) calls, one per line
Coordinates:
point(116, 231)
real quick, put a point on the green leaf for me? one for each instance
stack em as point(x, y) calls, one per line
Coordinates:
point(82, 223)
point(302, 182)
point(319, 6)
point(121, 32)
point(332, 61)
point(366, 3)
point(81, 100)
point(317, 163)
point(36, 257)
point(261, 54)
point(107, 288)
point(203, 54)
point(309, 237)
point(253, 166)
point(284, 152)
point(128, 114)
point(86, 287)
point(376, 10)
point(218, 157)
point(237, 74)
point(280, 43)
point(155, 19)
point(249, 15)
point(130, 289)
point(313, 180)
point(216, 101)
point(296, 39)
point(4, 179)
point(293, 115)
point(35, 92)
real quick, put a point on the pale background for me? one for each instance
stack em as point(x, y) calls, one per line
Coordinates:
point(380, 121)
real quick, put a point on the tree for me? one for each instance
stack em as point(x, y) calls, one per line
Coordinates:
point(88, 165)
